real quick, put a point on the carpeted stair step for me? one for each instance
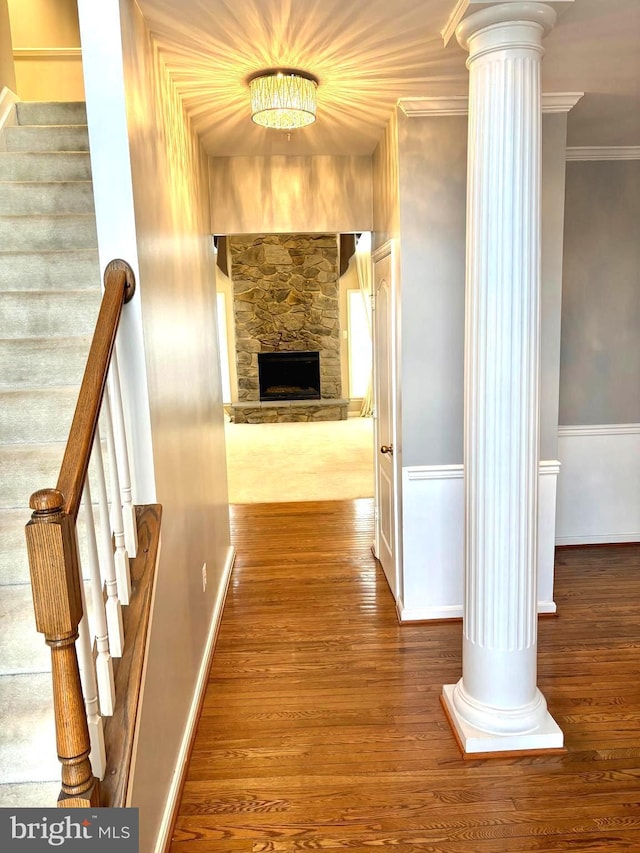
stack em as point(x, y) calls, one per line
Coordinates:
point(33, 198)
point(39, 233)
point(29, 795)
point(32, 415)
point(72, 270)
point(14, 566)
point(35, 314)
point(43, 361)
point(47, 138)
point(47, 166)
point(50, 287)
point(51, 112)
point(32, 467)
point(22, 648)
point(27, 734)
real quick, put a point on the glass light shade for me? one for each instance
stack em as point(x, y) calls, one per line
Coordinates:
point(283, 101)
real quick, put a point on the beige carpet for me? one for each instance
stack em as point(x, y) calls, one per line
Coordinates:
point(327, 460)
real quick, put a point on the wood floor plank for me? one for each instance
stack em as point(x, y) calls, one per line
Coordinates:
point(322, 729)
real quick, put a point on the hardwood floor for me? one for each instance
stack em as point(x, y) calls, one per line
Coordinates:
point(322, 727)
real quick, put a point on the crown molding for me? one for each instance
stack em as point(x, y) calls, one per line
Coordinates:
point(560, 102)
point(455, 17)
point(462, 7)
point(552, 102)
point(595, 152)
point(452, 106)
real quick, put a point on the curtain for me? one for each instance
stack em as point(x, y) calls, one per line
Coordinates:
point(365, 280)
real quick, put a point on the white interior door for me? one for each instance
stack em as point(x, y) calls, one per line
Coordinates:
point(385, 432)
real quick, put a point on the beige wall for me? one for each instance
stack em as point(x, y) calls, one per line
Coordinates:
point(600, 366)
point(151, 169)
point(420, 193)
point(386, 186)
point(279, 195)
point(169, 172)
point(432, 181)
point(554, 154)
point(44, 23)
point(46, 43)
point(7, 74)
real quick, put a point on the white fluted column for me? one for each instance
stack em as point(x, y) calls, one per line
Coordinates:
point(496, 705)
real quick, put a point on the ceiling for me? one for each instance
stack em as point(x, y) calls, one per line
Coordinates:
point(367, 54)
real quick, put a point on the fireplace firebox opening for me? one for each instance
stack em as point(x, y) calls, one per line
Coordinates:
point(289, 375)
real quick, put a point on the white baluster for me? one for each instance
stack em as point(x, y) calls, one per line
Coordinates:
point(122, 454)
point(104, 663)
point(121, 557)
point(97, 756)
point(107, 561)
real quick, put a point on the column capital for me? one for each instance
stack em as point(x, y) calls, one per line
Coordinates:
point(506, 25)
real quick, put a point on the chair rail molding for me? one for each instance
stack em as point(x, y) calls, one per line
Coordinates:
point(595, 152)
point(458, 105)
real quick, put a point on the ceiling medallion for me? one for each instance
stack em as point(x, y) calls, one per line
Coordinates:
point(283, 99)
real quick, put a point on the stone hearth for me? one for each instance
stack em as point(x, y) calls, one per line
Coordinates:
point(286, 299)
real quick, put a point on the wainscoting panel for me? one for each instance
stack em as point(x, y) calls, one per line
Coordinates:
point(599, 487)
point(433, 541)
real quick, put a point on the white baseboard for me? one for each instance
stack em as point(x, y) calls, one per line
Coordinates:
point(433, 541)
point(163, 839)
point(599, 487)
point(429, 614)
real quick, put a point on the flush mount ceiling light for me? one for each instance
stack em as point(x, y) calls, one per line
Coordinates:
point(283, 99)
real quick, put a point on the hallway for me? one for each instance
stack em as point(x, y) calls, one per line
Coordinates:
point(322, 727)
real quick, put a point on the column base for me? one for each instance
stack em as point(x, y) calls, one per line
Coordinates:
point(546, 737)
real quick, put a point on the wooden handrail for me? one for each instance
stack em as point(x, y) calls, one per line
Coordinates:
point(53, 551)
point(119, 287)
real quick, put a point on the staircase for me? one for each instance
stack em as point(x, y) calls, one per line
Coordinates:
point(49, 297)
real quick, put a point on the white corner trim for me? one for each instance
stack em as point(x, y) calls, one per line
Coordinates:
point(162, 840)
point(560, 102)
point(435, 472)
point(47, 52)
point(599, 429)
point(595, 152)
point(8, 100)
point(441, 106)
point(552, 102)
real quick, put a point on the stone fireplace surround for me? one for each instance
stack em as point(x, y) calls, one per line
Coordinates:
point(285, 298)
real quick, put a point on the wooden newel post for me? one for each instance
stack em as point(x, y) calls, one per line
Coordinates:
point(57, 601)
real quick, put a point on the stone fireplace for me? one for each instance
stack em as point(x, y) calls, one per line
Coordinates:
point(286, 312)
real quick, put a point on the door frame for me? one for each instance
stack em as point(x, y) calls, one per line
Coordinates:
point(386, 249)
